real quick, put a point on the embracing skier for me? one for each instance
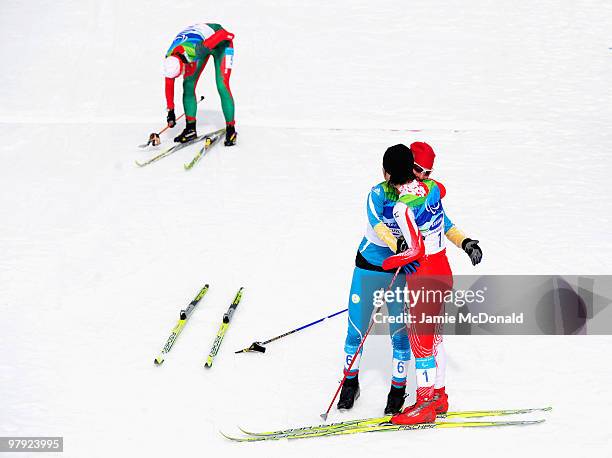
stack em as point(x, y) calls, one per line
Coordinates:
point(379, 242)
point(424, 157)
point(425, 226)
point(187, 57)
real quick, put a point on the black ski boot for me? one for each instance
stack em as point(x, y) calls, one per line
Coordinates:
point(349, 393)
point(188, 134)
point(395, 400)
point(230, 135)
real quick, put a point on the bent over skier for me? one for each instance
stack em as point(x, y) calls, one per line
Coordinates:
point(187, 56)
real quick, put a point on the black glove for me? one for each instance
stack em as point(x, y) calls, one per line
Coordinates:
point(473, 250)
point(401, 245)
point(171, 118)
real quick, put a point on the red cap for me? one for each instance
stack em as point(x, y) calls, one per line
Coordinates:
point(423, 155)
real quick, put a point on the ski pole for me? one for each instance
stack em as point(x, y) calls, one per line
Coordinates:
point(324, 415)
point(259, 346)
point(227, 317)
point(178, 328)
point(154, 137)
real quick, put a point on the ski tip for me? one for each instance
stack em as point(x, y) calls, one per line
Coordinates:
point(229, 437)
point(158, 361)
point(324, 416)
point(244, 431)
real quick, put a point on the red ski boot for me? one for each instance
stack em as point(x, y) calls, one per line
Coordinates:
point(422, 411)
point(440, 400)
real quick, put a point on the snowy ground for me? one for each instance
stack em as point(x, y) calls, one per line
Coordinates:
point(98, 256)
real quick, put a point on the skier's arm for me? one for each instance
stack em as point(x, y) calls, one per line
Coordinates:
point(213, 41)
point(452, 232)
point(456, 235)
point(415, 248)
point(374, 210)
point(170, 93)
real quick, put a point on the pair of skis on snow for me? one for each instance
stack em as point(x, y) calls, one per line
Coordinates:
point(209, 140)
point(184, 317)
point(383, 424)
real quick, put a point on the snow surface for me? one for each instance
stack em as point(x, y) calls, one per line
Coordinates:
point(98, 256)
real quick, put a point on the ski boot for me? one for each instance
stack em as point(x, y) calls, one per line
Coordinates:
point(349, 393)
point(188, 134)
point(395, 400)
point(440, 400)
point(421, 412)
point(230, 135)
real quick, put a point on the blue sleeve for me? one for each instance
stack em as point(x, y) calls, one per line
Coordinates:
point(448, 224)
point(375, 205)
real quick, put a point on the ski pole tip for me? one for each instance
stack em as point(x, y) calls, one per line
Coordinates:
point(324, 416)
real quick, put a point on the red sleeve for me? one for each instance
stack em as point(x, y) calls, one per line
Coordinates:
point(217, 37)
point(416, 248)
point(442, 189)
point(170, 93)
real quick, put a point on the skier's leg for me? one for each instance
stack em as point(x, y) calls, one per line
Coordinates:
point(190, 101)
point(364, 285)
point(434, 278)
point(440, 398)
point(360, 308)
point(440, 356)
point(401, 357)
point(224, 58)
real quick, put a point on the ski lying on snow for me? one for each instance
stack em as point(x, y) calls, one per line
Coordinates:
point(178, 328)
point(384, 427)
point(173, 149)
point(210, 140)
point(379, 420)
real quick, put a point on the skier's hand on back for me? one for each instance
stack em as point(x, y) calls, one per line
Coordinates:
point(171, 118)
point(411, 267)
point(402, 246)
point(473, 250)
